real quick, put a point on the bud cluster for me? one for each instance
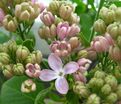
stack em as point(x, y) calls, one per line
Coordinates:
point(101, 89)
point(60, 27)
point(13, 59)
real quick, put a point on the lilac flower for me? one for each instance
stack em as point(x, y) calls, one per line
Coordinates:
point(58, 72)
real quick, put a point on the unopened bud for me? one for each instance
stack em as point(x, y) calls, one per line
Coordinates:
point(12, 46)
point(22, 52)
point(7, 71)
point(99, 74)
point(100, 26)
point(54, 7)
point(112, 98)
point(118, 91)
point(118, 14)
point(25, 15)
point(74, 42)
point(65, 11)
point(74, 19)
point(112, 81)
point(28, 86)
point(113, 7)
point(82, 54)
point(18, 69)
point(4, 58)
point(106, 89)
point(93, 99)
point(107, 15)
point(81, 89)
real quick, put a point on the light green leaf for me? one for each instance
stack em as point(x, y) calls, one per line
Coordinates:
point(11, 92)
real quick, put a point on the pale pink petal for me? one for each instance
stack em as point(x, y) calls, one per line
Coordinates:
point(71, 67)
point(55, 62)
point(61, 85)
point(47, 75)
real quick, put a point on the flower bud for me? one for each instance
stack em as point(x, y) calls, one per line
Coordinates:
point(112, 98)
point(101, 44)
point(58, 20)
point(78, 76)
point(65, 11)
point(25, 15)
point(74, 19)
point(93, 99)
point(99, 74)
point(74, 30)
point(54, 7)
point(74, 42)
point(112, 81)
point(99, 26)
point(38, 56)
point(113, 7)
point(63, 30)
point(53, 32)
point(7, 71)
point(80, 89)
point(119, 41)
point(107, 15)
point(114, 30)
point(118, 14)
point(18, 69)
point(115, 53)
point(28, 86)
point(118, 91)
point(47, 18)
point(22, 53)
point(92, 83)
point(33, 70)
point(60, 48)
point(82, 54)
point(4, 58)
point(12, 46)
point(2, 16)
point(106, 89)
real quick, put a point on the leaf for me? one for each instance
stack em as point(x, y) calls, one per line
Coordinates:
point(3, 37)
point(29, 44)
point(41, 96)
point(72, 98)
point(86, 23)
point(11, 92)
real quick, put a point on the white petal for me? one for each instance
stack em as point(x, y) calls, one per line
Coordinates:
point(61, 85)
point(55, 62)
point(71, 67)
point(47, 75)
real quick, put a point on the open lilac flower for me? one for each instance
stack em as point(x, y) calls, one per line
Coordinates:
point(58, 72)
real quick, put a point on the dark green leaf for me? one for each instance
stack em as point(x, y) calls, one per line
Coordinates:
point(29, 44)
point(42, 95)
point(72, 98)
point(11, 92)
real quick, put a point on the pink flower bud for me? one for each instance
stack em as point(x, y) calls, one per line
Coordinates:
point(83, 64)
point(63, 30)
point(33, 70)
point(79, 77)
point(2, 15)
point(47, 18)
point(61, 48)
point(102, 44)
point(74, 30)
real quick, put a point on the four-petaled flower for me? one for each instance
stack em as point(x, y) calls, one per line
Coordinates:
point(58, 72)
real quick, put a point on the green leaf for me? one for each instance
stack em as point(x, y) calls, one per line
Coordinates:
point(86, 23)
point(3, 37)
point(42, 95)
point(72, 98)
point(11, 92)
point(29, 44)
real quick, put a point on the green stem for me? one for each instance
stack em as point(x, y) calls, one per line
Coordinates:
point(96, 17)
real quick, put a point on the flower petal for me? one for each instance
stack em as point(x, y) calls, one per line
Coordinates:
point(61, 85)
point(47, 75)
point(55, 62)
point(71, 67)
